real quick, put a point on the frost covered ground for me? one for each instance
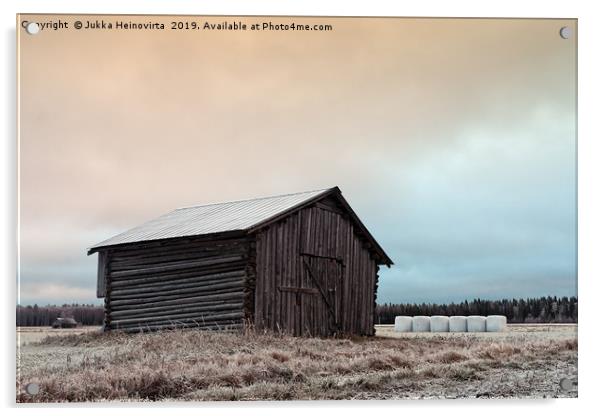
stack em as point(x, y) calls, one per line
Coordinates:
point(526, 361)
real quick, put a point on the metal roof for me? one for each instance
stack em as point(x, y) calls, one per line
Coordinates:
point(213, 218)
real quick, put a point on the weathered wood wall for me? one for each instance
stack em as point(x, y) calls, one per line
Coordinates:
point(183, 283)
point(315, 275)
point(312, 272)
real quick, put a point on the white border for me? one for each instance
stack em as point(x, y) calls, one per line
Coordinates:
point(590, 206)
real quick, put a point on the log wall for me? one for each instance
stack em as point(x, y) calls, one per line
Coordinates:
point(181, 283)
point(315, 275)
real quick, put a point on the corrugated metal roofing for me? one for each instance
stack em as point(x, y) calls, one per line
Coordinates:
point(213, 218)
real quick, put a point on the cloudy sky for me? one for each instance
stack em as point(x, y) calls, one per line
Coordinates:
point(454, 141)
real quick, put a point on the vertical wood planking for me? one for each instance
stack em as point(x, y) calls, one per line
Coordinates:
point(101, 274)
point(327, 235)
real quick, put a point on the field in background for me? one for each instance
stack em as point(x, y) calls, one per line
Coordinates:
point(531, 332)
point(31, 334)
point(525, 361)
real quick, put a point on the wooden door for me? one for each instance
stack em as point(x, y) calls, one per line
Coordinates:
point(321, 313)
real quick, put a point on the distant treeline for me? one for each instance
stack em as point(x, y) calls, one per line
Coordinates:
point(45, 315)
point(532, 310)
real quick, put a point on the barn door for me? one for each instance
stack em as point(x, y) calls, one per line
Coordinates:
point(322, 314)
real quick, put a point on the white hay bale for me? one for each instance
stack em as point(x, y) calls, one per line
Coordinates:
point(421, 324)
point(457, 324)
point(439, 323)
point(475, 323)
point(403, 324)
point(496, 323)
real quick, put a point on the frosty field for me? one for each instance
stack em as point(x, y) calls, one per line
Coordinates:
point(526, 361)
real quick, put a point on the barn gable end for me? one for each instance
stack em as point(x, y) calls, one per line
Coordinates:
point(315, 274)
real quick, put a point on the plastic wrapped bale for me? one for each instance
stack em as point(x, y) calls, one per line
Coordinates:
point(403, 324)
point(421, 324)
point(457, 324)
point(496, 323)
point(476, 323)
point(439, 323)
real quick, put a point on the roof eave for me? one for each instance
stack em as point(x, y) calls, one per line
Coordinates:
point(159, 241)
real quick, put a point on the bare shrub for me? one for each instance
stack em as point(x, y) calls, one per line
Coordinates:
point(400, 362)
point(570, 345)
point(378, 364)
point(499, 350)
point(280, 356)
point(449, 357)
point(462, 373)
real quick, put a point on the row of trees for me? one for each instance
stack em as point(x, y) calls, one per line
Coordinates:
point(45, 315)
point(549, 309)
point(532, 310)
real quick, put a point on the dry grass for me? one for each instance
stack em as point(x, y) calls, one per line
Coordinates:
point(196, 365)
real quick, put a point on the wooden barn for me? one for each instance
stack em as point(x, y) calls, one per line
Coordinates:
point(301, 263)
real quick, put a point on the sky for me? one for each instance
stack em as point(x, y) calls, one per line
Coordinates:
point(453, 140)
